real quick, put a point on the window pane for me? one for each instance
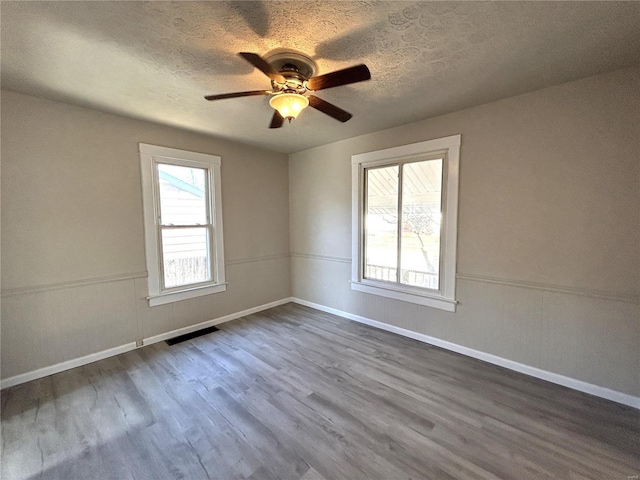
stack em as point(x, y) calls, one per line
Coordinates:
point(421, 214)
point(381, 224)
point(185, 256)
point(182, 195)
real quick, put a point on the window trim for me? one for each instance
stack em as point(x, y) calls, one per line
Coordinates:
point(150, 156)
point(443, 299)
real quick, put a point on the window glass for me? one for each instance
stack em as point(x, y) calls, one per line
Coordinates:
point(381, 224)
point(185, 256)
point(183, 195)
point(421, 214)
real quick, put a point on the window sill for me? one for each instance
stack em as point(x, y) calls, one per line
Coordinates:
point(433, 301)
point(170, 297)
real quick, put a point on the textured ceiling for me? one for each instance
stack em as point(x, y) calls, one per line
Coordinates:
point(156, 60)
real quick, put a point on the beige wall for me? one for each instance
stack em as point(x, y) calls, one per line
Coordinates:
point(548, 233)
point(73, 261)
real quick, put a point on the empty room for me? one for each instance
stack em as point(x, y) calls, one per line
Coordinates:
point(318, 240)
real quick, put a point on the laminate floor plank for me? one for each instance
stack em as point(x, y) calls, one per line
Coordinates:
point(322, 448)
point(292, 393)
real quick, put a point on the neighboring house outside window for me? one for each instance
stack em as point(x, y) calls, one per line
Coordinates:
point(183, 223)
point(405, 202)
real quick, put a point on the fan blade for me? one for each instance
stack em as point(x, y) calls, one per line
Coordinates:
point(262, 65)
point(359, 73)
point(238, 94)
point(277, 120)
point(329, 108)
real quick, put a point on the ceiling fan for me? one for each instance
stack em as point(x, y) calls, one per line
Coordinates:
point(292, 78)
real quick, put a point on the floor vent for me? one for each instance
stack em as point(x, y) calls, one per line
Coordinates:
point(189, 336)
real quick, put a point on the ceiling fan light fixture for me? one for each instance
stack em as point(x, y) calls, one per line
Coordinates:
point(289, 105)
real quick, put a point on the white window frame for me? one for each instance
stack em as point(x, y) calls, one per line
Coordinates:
point(447, 148)
point(150, 156)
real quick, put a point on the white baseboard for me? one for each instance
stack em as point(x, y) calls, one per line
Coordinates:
point(556, 378)
point(67, 365)
point(94, 357)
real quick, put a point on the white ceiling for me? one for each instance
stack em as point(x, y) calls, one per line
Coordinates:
point(156, 60)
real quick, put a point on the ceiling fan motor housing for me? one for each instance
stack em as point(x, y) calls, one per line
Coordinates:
point(295, 81)
point(294, 66)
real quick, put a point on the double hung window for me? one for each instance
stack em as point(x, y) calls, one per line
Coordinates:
point(404, 210)
point(183, 223)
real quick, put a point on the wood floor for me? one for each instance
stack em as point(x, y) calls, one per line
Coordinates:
point(294, 393)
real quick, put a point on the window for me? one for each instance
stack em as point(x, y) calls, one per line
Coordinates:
point(183, 223)
point(405, 202)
